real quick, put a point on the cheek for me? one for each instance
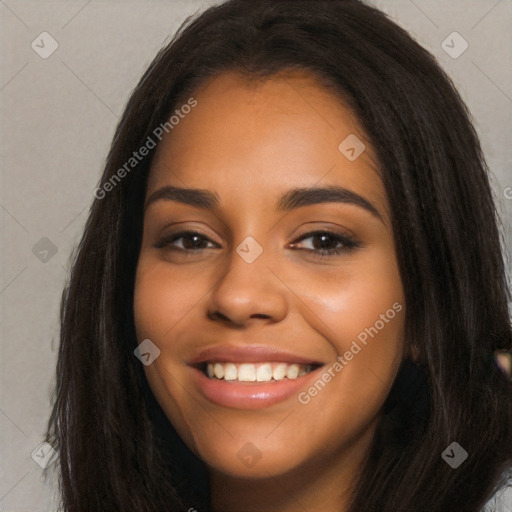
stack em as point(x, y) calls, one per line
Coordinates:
point(361, 311)
point(354, 299)
point(162, 299)
point(368, 307)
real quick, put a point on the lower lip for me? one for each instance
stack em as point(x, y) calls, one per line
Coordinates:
point(249, 395)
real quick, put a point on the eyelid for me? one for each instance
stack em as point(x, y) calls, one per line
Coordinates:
point(348, 240)
point(338, 231)
point(181, 233)
point(348, 243)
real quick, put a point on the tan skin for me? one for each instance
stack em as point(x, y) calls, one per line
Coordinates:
point(251, 142)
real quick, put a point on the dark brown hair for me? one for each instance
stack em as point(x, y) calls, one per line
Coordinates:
point(117, 450)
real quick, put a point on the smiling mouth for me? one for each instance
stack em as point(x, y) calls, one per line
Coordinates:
point(256, 372)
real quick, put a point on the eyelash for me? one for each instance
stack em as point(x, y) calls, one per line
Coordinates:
point(348, 243)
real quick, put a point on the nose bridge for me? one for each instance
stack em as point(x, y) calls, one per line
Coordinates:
point(246, 287)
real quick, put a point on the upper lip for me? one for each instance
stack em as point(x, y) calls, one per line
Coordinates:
point(248, 354)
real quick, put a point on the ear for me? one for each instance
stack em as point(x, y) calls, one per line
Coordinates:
point(503, 361)
point(412, 352)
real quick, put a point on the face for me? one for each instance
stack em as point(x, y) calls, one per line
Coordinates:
point(278, 311)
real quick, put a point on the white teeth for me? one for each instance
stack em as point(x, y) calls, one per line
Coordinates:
point(293, 371)
point(246, 373)
point(218, 370)
point(264, 372)
point(259, 372)
point(230, 371)
point(279, 372)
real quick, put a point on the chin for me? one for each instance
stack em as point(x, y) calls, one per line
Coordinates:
point(249, 462)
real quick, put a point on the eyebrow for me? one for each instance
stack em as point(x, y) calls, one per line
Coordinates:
point(294, 198)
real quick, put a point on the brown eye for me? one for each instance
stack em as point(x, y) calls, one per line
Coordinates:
point(186, 241)
point(326, 243)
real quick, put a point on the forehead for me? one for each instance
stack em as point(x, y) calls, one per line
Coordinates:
point(259, 138)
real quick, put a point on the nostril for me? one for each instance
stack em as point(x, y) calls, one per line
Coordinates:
point(217, 315)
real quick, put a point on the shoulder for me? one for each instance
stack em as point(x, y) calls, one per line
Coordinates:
point(501, 501)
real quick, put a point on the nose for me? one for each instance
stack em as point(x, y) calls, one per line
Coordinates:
point(247, 292)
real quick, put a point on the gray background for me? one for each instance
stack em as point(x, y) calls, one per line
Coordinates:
point(59, 116)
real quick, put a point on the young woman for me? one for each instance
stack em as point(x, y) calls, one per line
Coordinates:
point(290, 292)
